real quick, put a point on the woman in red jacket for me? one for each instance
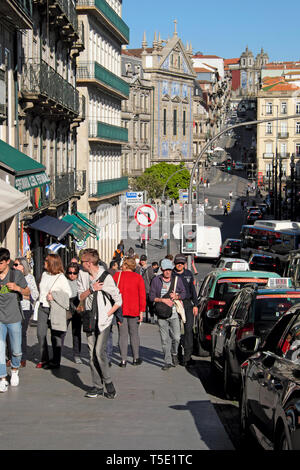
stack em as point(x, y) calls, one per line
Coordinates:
point(132, 288)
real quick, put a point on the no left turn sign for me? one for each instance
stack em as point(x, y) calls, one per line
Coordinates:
point(145, 215)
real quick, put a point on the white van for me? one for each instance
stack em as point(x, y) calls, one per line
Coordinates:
point(209, 242)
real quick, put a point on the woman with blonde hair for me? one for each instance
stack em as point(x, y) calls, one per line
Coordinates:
point(55, 293)
point(132, 288)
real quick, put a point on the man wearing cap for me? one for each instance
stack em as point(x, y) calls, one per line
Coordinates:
point(190, 304)
point(169, 328)
point(147, 273)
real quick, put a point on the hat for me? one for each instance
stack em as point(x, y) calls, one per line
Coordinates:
point(166, 264)
point(143, 258)
point(180, 259)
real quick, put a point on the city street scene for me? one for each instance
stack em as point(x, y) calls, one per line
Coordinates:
point(149, 229)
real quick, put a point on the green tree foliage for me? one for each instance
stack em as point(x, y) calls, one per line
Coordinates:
point(153, 180)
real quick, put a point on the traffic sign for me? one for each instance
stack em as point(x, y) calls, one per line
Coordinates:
point(133, 197)
point(145, 215)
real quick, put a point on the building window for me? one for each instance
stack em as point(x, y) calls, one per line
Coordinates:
point(269, 169)
point(269, 128)
point(184, 123)
point(165, 122)
point(297, 150)
point(298, 107)
point(269, 108)
point(175, 122)
point(283, 107)
point(297, 127)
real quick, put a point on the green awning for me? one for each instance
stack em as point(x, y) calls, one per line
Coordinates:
point(28, 173)
point(80, 230)
point(88, 222)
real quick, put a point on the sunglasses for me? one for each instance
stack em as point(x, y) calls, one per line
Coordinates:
point(16, 264)
point(72, 272)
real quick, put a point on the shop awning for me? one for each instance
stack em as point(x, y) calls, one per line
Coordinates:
point(82, 227)
point(12, 201)
point(54, 227)
point(28, 173)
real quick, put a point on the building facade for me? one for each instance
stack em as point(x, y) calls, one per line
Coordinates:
point(137, 113)
point(101, 136)
point(278, 140)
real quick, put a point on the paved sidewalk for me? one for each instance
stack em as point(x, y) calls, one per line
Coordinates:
point(153, 409)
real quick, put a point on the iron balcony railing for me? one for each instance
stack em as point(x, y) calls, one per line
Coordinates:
point(108, 187)
point(109, 13)
point(66, 7)
point(105, 131)
point(62, 187)
point(283, 135)
point(38, 77)
point(26, 6)
point(95, 71)
point(268, 155)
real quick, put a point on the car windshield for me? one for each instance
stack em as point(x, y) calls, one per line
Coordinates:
point(262, 260)
point(226, 289)
point(235, 244)
point(270, 307)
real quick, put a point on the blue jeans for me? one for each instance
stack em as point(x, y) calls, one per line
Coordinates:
point(14, 331)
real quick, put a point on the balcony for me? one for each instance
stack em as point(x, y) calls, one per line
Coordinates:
point(268, 155)
point(283, 135)
point(62, 188)
point(45, 89)
point(102, 10)
point(283, 155)
point(62, 13)
point(107, 132)
point(88, 72)
point(99, 189)
point(17, 12)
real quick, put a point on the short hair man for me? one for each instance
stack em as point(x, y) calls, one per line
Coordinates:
point(190, 306)
point(88, 284)
point(12, 285)
point(147, 273)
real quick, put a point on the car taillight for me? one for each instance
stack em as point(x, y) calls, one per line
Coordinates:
point(213, 304)
point(247, 330)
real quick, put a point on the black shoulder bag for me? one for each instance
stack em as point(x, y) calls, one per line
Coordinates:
point(90, 317)
point(162, 310)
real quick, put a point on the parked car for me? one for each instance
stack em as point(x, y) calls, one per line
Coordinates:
point(270, 391)
point(231, 247)
point(263, 207)
point(215, 296)
point(254, 311)
point(258, 262)
point(252, 216)
point(237, 264)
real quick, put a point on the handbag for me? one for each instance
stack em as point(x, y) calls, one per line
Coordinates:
point(162, 310)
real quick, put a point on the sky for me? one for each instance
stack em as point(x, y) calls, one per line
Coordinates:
point(220, 27)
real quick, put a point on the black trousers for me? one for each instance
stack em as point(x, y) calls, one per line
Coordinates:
point(187, 339)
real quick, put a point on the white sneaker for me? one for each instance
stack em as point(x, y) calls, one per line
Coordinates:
point(14, 378)
point(3, 385)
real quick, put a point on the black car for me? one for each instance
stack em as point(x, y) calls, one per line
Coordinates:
point(253, 215)
point(254, 311)
point(270, 393)
point(258, 262)
point(231, 248)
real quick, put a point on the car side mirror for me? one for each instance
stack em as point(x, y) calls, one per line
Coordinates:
point(214, 314)
point(249, 345)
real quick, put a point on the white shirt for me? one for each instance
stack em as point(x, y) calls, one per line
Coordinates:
point(53, 282)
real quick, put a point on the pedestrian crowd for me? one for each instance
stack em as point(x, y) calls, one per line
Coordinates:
point(94, 298)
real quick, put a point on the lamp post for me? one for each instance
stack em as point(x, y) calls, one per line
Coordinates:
point(292, 165)
point(280, 178)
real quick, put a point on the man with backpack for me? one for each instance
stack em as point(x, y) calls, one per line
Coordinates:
point(118, 255)
point(12, 287)
point(164, 290)
point(93, 281)
point(146, 271)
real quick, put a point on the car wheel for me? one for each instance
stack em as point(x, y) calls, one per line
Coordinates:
point(283, 442)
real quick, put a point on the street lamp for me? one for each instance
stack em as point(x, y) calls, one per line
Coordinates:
point(292, 165)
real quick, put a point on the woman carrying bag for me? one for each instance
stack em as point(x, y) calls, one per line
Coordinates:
point(55, 294)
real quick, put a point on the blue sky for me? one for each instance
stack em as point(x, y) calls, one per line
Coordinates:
point(219, 27)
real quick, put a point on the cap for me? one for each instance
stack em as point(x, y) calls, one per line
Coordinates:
point(179, 259)
point(166, 264)
point(143, 258)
